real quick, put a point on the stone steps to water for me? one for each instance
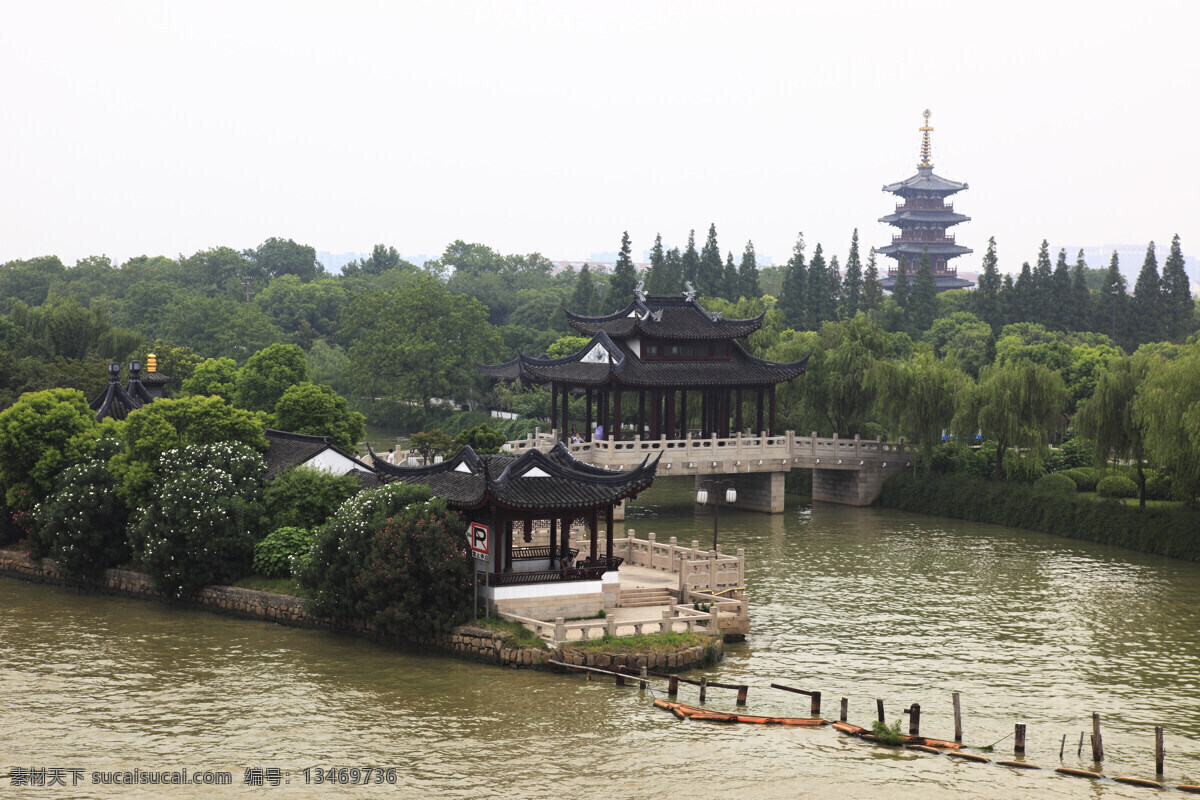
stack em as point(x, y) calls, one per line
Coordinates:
point(644, 598)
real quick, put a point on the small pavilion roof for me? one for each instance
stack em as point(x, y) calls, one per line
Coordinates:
point(925, 181)
point(287, 449)
point(115, 401)
point(554, 481)
point(603, 361)
point(665, 316)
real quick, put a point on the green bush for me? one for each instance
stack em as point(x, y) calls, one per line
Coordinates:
point(82, 525)
point(888, 734)
point(482, 439)
point(1077, 452)
point(1166, 532)
point(1117, 486)
point(274, 555)
point(1056, 483)
point(1085, 478)
point(203, 517)
point(339, 554)
point(1158, 485)
point(417, 578)
point(302, 497)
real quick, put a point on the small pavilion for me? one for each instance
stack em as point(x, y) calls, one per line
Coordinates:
point(512, 502)
point(682, 366)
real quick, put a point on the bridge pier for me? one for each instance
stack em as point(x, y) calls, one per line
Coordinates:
point(851, 487)
point(756, 491)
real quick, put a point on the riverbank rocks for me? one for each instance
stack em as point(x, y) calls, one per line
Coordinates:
point(669, 661)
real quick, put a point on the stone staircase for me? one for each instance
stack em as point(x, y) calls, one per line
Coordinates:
point(644, 598)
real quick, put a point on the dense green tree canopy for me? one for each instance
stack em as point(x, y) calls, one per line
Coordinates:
point(317, 410)
point(268, 374)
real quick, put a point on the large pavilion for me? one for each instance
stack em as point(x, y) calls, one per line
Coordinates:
point(680, 364)
point(504, 496)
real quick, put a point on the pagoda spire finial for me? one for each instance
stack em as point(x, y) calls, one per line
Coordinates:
point(926, 149)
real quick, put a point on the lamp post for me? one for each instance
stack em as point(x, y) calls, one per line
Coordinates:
point(702, 498)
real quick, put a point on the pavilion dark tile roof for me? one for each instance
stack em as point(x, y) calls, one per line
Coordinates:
point(919, 215)
point(619, 365)
point(665, 316)
point(115, 401)
point(554, 481)
point(913, 249)
point(286, 449)
point(925, 181)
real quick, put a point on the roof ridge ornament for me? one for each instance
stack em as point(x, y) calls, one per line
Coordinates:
point(639, 291)
point(926, 148)
point(656, 315)
point(689, 291)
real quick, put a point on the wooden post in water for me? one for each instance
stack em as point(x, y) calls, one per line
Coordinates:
point(845, 703)
point(620, 679)
point(879, 708)
point(1062, 747)
point(816, 704)
point(642, 682)
point(1158, 750)
point(673, 686)
point(1097, 740)
point(703, 687)
point(1019, 739)
point(957, 719)
point(1080, 751)
point(741, 698)
point(914, 719)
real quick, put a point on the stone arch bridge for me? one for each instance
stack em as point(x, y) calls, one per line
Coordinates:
point(847, 471)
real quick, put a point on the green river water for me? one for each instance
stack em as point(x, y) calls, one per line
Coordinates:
point(861, 603)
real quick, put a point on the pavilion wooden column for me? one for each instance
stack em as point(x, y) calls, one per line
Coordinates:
point(566, 399)
point(654, 407)
point(593, 524)
point(553, 540)
point(507, 551)
point(527, 534)
point(554, 407)
point(565, 553)
point(608, 535)
point(738, 415)
point(704, 415)
point(760, 427)
point(641, 428)
point(494, 544)
point(670, 415)
point(683, 417)
point(616, 431)
point(587, 425)
point(724, 428)
point(603, 415)
point(771, 430)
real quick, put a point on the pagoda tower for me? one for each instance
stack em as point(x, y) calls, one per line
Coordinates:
point(923, 217)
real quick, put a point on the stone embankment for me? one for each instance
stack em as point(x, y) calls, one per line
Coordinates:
point(467, 641)
point(685, 658)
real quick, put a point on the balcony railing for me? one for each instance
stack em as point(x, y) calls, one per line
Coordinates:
point(937, 270)
point(900, 238)
point(924, 205)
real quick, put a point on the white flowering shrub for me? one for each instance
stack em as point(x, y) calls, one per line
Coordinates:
point(82, 524)
point(203, 519)
point(332, 572)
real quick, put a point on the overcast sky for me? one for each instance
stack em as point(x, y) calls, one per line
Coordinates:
point(169, 127)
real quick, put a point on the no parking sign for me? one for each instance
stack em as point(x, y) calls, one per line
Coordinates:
point(479, 536)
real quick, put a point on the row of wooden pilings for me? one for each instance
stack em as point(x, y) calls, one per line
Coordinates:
point(622, 674)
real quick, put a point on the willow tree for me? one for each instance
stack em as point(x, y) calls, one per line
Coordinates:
point(1169, 407)
point(1016, 404)
point(1108, 418)
point(917, 396)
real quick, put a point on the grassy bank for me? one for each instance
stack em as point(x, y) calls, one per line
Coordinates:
point(1172, 532)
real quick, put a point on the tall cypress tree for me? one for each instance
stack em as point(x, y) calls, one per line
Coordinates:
point(833, 294)
point(852, 284)
point(657, 276)
point(793, 299)
point(1080, 305)
point(900, 287)
point(1177, 293)
point(1040, 309)
point(1060, 294)
point(672, 272)
point(708, 276)
point(1025, 296)
point(729, 280)
point(816, 309)
point(691, 261)
point(1147, 300)
point(872, 290)
point(584, 294)
point(923, 304)
point(748, 273)
point(987, 296)
point(623, 280)
point(1008, 301)
point(1116, 301)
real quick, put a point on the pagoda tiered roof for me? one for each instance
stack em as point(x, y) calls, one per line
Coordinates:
point(925, 216)
point(925, 182)
point(534, 480)
point(604, 361)
point(914, 248)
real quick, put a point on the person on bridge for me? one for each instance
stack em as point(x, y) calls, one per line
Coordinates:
point(599, 437)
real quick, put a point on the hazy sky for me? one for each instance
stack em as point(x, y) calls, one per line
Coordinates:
point(169, 127)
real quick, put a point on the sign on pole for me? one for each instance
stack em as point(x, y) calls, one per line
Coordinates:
point(479, 536)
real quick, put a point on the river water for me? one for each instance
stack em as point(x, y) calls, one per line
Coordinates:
point(861, 603)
